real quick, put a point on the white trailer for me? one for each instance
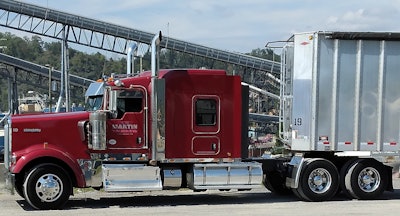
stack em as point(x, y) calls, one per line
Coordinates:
point(340, 112)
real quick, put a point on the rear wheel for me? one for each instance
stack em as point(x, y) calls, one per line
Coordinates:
point(47, 186)
point(275, 183)
point(343, 172)
point(318, 181)
point(366, 179)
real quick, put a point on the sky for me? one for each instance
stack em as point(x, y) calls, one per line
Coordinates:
point(236, 25)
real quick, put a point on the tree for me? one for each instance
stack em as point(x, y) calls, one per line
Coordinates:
point(94, 66)
point(265, 54)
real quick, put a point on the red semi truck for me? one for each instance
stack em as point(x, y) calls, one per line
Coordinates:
point(188, 128)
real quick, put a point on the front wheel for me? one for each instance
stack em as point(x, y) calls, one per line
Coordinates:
point(19, 184)
point(47, 186)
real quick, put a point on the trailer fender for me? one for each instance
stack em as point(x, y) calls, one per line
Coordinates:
point(389, 170)
point(294, 170)
point(36, 152)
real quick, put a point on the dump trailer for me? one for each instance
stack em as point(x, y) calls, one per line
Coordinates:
point(188, 128)
point(340, 112)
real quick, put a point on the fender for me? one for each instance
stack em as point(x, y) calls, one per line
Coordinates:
point(39, 150)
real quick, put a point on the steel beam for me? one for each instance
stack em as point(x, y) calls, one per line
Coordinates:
point(111, 37)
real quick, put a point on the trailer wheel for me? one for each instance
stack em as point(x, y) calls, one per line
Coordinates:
point(343, 172)
point(275, 183)
point(318, 181)
point(47, 186)
point(366, 179)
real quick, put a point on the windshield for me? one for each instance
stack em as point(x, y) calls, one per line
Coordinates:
point(94, 103)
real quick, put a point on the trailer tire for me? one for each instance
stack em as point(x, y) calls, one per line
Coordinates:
point(47, 186)
point(343, 172)
point(319, 180)
point(275, 183)
point(366, 179)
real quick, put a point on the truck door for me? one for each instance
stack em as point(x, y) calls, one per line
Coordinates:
point(127, 129)
point(206, 125)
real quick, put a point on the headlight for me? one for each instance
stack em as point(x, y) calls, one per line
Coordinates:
point(13, 158)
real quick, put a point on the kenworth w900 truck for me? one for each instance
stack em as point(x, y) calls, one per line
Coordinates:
point(188, 128)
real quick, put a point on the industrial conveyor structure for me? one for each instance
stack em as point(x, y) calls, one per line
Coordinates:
point(98, 34)
point(40, 71)
point(106, 36)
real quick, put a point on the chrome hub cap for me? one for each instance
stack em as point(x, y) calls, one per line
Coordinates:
point(369, 179)
point(49, 187)
point(319, 180)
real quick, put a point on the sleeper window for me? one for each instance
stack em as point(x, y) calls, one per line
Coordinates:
point(206, 112)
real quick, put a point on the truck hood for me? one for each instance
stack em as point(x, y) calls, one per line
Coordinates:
point(54, 129)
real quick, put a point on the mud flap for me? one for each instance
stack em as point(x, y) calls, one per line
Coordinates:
point(389, 170)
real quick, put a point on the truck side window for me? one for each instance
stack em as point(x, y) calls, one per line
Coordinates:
point(129, 101)
point(206, 112)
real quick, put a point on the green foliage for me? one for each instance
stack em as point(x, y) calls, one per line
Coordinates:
point(265, 54)
point(94, 66)
point(279, 148)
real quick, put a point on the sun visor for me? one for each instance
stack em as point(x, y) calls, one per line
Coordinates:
point(95, 89)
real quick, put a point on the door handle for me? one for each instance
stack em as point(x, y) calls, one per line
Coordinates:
point(213, 146)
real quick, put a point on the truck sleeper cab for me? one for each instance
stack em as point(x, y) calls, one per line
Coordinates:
point(198, 139)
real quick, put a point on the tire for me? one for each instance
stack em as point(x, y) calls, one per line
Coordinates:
point(275, 183)
point(299, 194)
point(296, 193)
point(19, 186)
point(319, 180)
point(366, 179)
point(47, 186)
point(343, 172)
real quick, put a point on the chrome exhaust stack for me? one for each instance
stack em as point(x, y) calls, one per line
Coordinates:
point(154, 73)
point(130, 59)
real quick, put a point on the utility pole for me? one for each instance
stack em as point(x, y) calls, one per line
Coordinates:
point(50, 82)
point(64, 92)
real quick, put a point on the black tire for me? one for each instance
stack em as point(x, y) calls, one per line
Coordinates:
point(275, 183)
point(51, 195)
point(19, 185)
point(366, 179)
point(296, 193)
point(343, 172)
point(319, 180)
point(299, 194)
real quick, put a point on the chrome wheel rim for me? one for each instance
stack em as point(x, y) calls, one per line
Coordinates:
point(49, 188)
point(369, 179)
point(319, 180)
